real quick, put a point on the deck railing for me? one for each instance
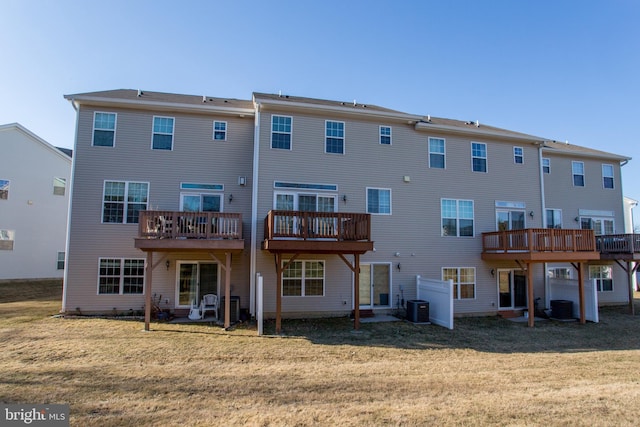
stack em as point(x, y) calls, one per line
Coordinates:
point(280, 224)
point(190, 225)
point(539, 240)
point(618, 243)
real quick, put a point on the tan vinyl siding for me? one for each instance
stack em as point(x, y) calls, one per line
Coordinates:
point(195, 157)
point(414, 228)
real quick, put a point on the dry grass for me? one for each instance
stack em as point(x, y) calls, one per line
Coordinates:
point(488, 371)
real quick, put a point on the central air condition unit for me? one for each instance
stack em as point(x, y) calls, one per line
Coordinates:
point(234, 310)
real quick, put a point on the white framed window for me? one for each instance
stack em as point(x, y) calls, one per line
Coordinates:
point(607, 176)
point(60, 261)
point(385, 135)
point(559, 273)
point(577, 169)
point(602, 275)
point(457, 217)
point(123, 200)
point(464, 281)
point(7, 238)
point(4, 189)
point(59, 186)
point(104, 129)
point(281, 130)
point(546, 165)
point(437, 153)
point(334, 137)
point(518, 155)
point(162, 138)
point(478, 157)
point(554, 218)
point(303, 278)
point(600, 226)
point(120, 276)
point(219, 131)
point(379, 201)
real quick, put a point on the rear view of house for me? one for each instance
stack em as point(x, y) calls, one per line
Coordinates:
point(334, 206)
point(34, 199)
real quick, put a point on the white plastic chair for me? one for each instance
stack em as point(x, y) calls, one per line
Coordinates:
point(195, 313)
point(209, 303)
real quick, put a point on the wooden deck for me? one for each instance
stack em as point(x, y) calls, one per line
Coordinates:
point(540, 245)
point(185, 231)
point(619, 246)
point(317, 232)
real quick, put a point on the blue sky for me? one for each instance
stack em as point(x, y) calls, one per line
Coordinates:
point(563, 70)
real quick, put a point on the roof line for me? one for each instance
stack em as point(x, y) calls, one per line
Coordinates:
point(35, 137)
point(476, 131)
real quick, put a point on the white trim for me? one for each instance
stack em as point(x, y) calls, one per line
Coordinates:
point(390, 290)
point(93, 131)
point(545, 223)
point(380, 135)
point(366, 201)
point(153, 132)
point(271, 132)
point(178, 263)
point(613, 181)
point(343, 137)
point(254, 214)
point(226, 128)
point(122, 275)
point(444, 155)
point(125, 202)
point(584, 178)
point(457, 218)
point(521, 155)
point(456, 297)
point(486, 156)
point(511, 289)
point(188, 193)
point(542, 164)
point(303, 278)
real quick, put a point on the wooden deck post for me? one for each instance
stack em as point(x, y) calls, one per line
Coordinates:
point(531, 308)
point(147, 304)
point(630, 271)
point(279, 293)
point(356, 291)
point(227, 290)
point(583, 318)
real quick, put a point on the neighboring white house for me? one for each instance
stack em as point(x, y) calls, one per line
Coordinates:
point(34, 201)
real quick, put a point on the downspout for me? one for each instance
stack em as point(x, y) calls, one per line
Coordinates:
point(254, 211)
point(65, 280)
point(544, 221)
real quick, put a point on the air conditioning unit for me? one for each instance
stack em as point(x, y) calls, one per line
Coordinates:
point(234, 310)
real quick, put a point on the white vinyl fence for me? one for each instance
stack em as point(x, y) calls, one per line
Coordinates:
point(439, 295)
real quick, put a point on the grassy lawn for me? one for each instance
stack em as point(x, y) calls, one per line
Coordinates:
point(488, 371)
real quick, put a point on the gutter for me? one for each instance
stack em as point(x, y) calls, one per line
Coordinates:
point(475, 131)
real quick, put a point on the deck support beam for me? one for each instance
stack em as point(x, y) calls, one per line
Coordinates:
point(147, 304)
point(530, 296)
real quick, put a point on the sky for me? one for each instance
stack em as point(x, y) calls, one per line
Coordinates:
point(565, 70)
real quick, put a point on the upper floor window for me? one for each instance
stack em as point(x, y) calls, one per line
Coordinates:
point(200, 202)
point(334, 137)
point(577, 168)
point(123, 200)
point(162, 133)
point(220, 131)
point(59, 186)
point(546, 165)
point(281, 132)
point(121, 276)
point(607, 176)
point(4, 189)
point(602, 275)
point(478, 157)
point(385, 135)
point(60, 261)
point(464, 281)
point(554, 218)
point(379, 201)
point(104, 129)
point(518, 155)
point(6, 239)
point(457, 217)
point(437, 153)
